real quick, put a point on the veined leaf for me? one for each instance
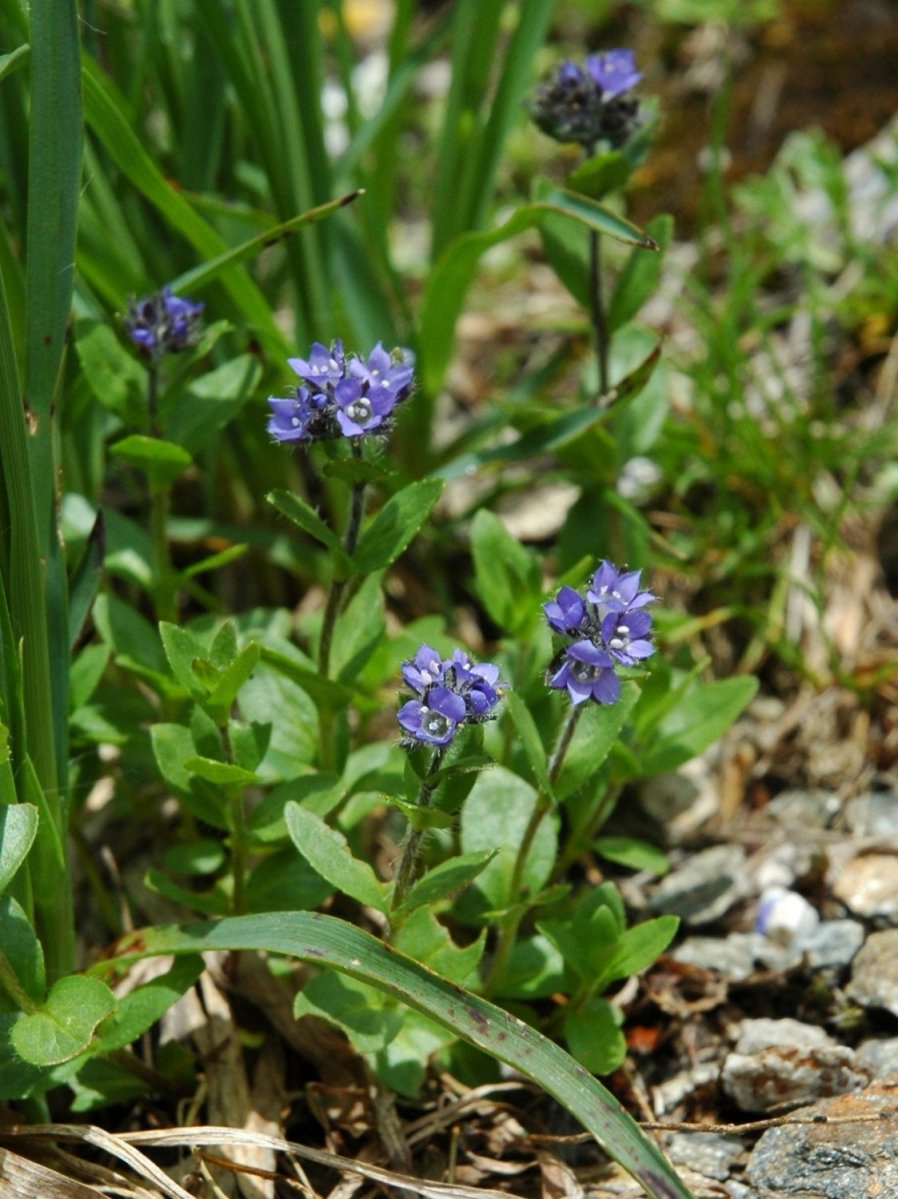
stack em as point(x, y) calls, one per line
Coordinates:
point(396, 525)
point(310, 522)
point(328, 852)
point(63, 1026)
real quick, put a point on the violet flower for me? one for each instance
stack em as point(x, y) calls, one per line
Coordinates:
point(590, 104)
point(435, 719)
point(163, 323)
point(606, 628)
point(449, 693)
point(587, 672)
point(342, 395)
point(613, 72)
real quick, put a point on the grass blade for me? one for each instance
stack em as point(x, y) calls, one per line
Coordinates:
point(327, 941)
point(104, 111)
point(482, 166)
point(37, 598)
point(207, 271)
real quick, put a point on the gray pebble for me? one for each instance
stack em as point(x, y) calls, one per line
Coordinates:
point(804, 809)
point(874, 972)
point(874, 814)
point(705, 887)
point(707, 1153)
point(878, 1057)
point(781, 1062)
point(832, 944)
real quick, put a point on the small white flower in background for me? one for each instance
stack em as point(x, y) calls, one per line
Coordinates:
point(785, 916)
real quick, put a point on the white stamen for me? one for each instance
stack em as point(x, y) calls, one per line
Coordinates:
point(433, 722)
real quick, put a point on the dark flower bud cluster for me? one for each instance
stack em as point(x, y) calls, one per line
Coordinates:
point(342, 395)
point(449, 693)
point(590, 104)
point(163, 323)
point(608, 627)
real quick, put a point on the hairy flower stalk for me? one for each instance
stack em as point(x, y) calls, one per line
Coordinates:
point(592, 105)
point(338, 586)
point(341, 396)
point(447, 695)
point(605, 628)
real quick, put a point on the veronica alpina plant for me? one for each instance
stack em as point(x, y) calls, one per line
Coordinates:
point(592, 105)
point(605, 628)
point(342, 396)
point(448, 694)
point(158, 325)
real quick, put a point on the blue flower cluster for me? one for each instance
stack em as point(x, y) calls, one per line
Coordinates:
point(163, 323)
point(449, 693)
point(590, 104)
point(342, 395)
point(609, 627)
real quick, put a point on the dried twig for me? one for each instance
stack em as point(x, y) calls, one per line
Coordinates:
point(581, 1138)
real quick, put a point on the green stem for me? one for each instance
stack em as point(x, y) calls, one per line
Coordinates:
point(409, 862)
point(578, 844)
point(160, 501)
point(599, 318)
point(9, 982)
point(338, 586)
point(511, 922)
point(153, 398)
point(238, 853)
point(332, 611)
point(160, 504)
point(597, 304)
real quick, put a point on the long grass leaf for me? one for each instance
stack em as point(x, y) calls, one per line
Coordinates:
point(104, 112)
point(266, 61)
point(205, 273)
point(54, 180)
point(14, 61)
point(475, 31)
point(482, 165)
point(328, 941)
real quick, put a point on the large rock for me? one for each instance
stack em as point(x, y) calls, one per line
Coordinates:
point(822, 1160)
